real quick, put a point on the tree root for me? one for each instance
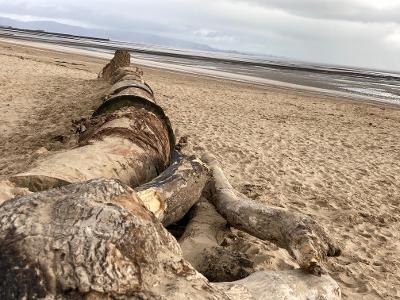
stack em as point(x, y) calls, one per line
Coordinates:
point(171, 195)
point(200, 244)
point(273, 285)
point(202, 247)
point(91, 239)
point(97, 240)
point(305, 240)
point(101, 239)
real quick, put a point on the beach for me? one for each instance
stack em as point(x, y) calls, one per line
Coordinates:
point(334, 159)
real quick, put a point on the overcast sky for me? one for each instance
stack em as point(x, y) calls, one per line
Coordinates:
point(349, 32)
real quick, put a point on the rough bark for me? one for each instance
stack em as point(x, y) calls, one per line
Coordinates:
point(119, 102)
point(100, 239)
point(128, 138)
point(305, 240)
point(176, 190)
point(91, 240)
point(135, 73)
point(8, 190)
point(121, 59)
point(131, 144)
point(97, 240)
point(135, 87)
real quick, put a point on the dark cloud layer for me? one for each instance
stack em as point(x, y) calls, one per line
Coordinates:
point(350, 32)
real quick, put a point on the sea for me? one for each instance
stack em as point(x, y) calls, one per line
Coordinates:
point(346, 81)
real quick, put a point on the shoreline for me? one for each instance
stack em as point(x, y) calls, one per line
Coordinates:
point(239, 78)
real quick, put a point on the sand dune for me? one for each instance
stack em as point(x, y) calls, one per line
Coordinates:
point(336, 160)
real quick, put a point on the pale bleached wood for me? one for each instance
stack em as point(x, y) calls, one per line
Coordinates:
point(99, 239)
point(130, 144)
point(121, 59)
point(305, 240)
point(9, 190)
point(128, 138)
point(91, 240)
point(177, 189)
point(201, 247)
point(278, 285)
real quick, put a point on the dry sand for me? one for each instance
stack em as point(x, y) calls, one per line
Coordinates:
point(336, 160)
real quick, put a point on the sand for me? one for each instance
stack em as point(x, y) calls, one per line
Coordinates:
point(331, 158)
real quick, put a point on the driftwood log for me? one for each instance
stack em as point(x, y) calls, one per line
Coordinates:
point(91, 221)
point(129, 138)
point(130, 144)
point(92, 240)
point(97, 240)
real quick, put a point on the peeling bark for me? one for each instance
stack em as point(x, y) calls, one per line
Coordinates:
point(92, 239)
point(128, 138)
point(132, 145)
point(305, 240)
point(134, 86)
point(118, 102)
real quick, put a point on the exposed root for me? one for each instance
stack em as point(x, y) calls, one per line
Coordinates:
point(272, 285)
point(305, 240)
point(96, 238)
point(200, 244)
point(171, 195)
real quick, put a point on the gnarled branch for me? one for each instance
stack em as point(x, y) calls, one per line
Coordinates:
point(299, 234)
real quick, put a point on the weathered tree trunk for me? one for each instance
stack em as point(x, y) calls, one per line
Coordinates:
point(96, 240)
point(133, 84)
point(299, 234)
point(101, 239)
point(130, 144)
point(129, 81)
point(129, 138)
point(93, 240)
point(127, 72)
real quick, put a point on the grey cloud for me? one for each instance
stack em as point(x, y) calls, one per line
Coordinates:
point(352, 32)
point(381, 11)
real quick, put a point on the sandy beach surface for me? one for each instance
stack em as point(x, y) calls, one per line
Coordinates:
point(333, 159)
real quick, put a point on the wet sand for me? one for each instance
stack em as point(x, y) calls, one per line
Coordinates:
point(334, 159)
point(343, 81)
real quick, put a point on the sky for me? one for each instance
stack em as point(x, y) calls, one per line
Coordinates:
point(364, 33)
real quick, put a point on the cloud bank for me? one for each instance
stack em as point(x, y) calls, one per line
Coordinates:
point(362, 33)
